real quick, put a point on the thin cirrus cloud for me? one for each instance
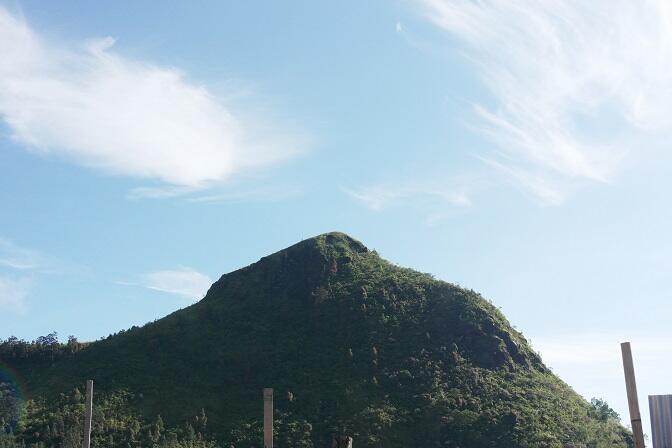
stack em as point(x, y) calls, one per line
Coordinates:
point(183, 282)
point(435, 200)
point(14, 292)
point(18, 258)
point(385, 195)
point(575, 85)
point(24, 265)
point(230, 195)
point(93, 106)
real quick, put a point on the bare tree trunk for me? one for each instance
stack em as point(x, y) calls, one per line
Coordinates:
point(341, 441)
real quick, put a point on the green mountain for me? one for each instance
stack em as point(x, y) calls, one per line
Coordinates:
point(352, 344)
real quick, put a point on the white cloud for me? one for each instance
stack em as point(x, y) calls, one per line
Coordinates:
point(14, 290)
point(159, 192)
point(20, 258)
point(435, 200)
point(576, 85)
point(15, 257)
point(103, 110)
point(261, 194)
point(230, 194)
point(184, 282)
point(393, 194)
point(13, 293)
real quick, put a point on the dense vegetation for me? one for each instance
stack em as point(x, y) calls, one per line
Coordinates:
point(60, 424)
point(351, 344)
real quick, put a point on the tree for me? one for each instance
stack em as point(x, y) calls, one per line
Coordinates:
point(601, 410)
point(50, 339)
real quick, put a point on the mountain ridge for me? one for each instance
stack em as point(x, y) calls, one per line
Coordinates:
point(352, 344)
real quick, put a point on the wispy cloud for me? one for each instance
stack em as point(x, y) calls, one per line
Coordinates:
point(576, 85)
point(15, 257)
point(184, 282)
point(394, 194)
point(160, 192)
point(436, 200)
point(13, 293)
point(20, 258)
point(228, 195)
point(23, 266)
point(101, 109)
point(253, 195)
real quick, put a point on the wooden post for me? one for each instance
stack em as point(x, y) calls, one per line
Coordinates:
point(88, 409)
point(631, 389)
point(268, 418)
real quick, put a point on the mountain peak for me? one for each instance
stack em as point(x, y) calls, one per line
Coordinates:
point(335, 242)
point(311, 260)
point(351, 343)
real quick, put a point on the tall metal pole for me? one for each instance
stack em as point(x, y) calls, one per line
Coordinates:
point(268, 418)
point(633, 402)
point(88, 409)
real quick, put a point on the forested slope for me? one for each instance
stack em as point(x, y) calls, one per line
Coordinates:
point(351, 344)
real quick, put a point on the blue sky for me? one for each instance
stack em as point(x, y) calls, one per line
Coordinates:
point(516, 148)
